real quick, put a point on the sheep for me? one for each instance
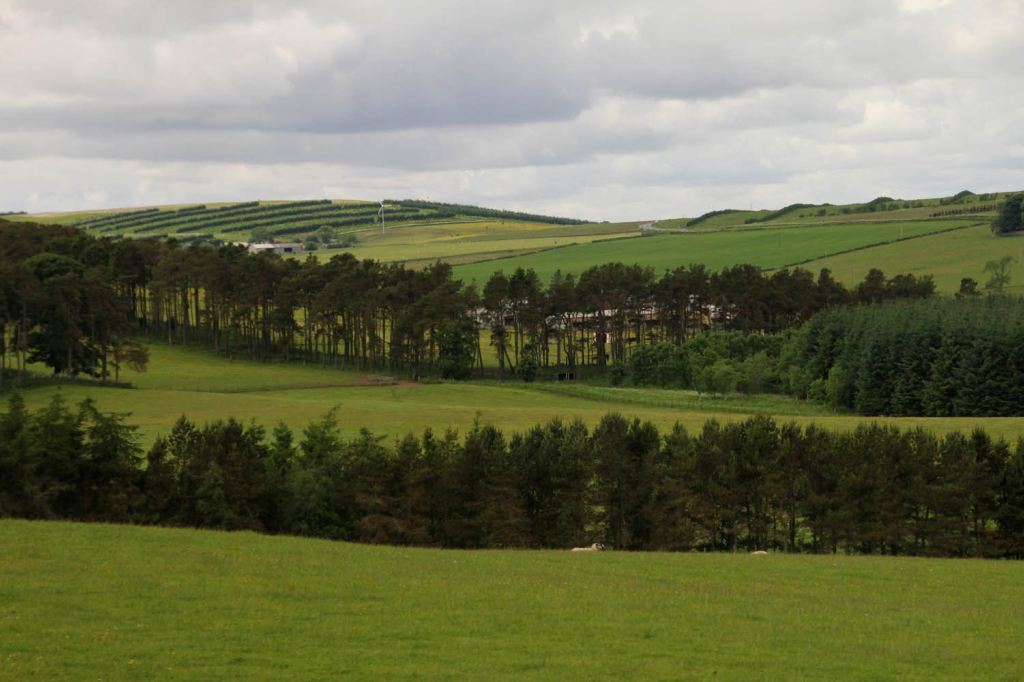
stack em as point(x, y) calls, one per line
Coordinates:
point(596, 547)
point(760, 551)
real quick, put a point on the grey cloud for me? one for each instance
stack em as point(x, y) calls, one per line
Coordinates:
point(600, 109)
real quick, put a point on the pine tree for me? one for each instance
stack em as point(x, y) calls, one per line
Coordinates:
point(1010, 514)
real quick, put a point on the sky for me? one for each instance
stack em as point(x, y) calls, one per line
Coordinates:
point(603, 110)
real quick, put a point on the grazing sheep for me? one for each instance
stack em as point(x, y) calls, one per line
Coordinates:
point(760, 551)
point(593, 548)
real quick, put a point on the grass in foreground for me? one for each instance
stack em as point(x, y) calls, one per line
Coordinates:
point(84, 601)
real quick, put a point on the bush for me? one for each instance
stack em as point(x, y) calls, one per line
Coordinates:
point(838, 387)
point(617, 374)
point(758, 374)
point(817, 391)
point(528, 366)
point(721, 377)
point(457, 350)
point(1011, 215)
point(664, 364)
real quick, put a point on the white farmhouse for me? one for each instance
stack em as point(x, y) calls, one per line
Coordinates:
point(276, 247)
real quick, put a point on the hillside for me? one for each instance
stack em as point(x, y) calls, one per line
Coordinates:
point(961, 204)
point(769, 248)
point(849, 238)
point(896, 235)
point(114, 602)
point(948, 257)
point(275, 219)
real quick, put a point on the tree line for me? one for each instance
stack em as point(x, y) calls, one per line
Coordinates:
point(747, 485)
point(1010, 217)
point(480, 212)
point(936, 358)
point(79, 303)
point(60, 305)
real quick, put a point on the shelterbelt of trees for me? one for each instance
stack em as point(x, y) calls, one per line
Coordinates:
point(750, 485)
point(937, 357)
point(78, 303)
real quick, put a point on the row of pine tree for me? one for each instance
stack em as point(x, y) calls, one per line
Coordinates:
point(940, 357)
point(80, 305)
point(745, 485)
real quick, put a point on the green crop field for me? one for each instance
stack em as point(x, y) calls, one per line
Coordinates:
point(205, 387)
point(470, 241)
point(290, 220)
point(768, 248)
point(948, 257)
point(113, 602)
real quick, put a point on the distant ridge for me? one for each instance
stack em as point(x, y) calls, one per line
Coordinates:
point(273, 219)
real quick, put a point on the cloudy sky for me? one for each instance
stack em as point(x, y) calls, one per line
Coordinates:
point(605, 110)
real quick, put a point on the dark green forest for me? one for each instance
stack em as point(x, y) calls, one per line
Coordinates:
point(748, 485)
point(936, 358)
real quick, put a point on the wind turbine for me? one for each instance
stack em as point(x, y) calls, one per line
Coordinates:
point(381, 214)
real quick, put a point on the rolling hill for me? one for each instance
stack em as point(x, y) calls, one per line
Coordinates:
point(768, 248)
point(275, 219)
point(945, 236)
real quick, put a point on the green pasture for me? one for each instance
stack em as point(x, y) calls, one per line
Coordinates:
point(768, 248)
point(949, 257)
point(473, 240)
point(179, 368)
point(92, 601)
point(845, 213)
point(57, 218)
point(205, 387)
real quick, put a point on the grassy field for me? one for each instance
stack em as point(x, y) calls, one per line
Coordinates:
point(82, 601)
point(982, 205)
point(768, 248)
point(949, 257)
point(471, 241)
point(206, 387)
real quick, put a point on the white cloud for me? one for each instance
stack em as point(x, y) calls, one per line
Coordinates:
point(600, 109)
point(917, 6)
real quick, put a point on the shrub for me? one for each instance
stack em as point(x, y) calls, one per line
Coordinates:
point(456, 350)
point(664, 364)
point(721, 377)
point(528, 366)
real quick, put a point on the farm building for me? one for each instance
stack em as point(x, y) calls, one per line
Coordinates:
point(275, 247)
